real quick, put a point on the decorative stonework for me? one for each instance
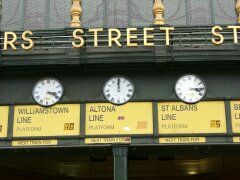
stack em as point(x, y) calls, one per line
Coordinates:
point(76, 12)
point(238, 10)
point(158, 10)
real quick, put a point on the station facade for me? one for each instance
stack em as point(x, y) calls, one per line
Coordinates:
point(131, 89)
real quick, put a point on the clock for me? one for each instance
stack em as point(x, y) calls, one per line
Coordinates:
point(47, 91)
point(118, 90)
point(190, 88)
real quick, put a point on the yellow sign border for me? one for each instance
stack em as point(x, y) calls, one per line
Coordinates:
point(177, 118)
point(133, 118)
point(44, 122)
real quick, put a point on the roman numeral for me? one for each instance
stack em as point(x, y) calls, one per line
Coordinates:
point(180, 94)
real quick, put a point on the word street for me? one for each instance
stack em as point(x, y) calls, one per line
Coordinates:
point(115, 36)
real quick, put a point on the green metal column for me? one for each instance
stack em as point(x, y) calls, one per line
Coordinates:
point(120, 162)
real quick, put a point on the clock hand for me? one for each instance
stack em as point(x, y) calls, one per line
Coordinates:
point(197, 89)
point(53, 94)
point(118, 84)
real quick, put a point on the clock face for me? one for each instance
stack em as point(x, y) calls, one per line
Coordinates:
point(47, 91)
point(190, 88)
point(118, 90)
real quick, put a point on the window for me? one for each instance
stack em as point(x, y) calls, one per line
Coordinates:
point(35, 14)
point(125, 13)
point(55, 14)
point(200, 12)
point(115, 13)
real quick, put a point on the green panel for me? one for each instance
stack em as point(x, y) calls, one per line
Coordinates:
point(120, 162)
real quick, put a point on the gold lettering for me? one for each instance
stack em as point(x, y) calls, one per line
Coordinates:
point(77, 37)
point(129, 37)
point(9, 42)
point(30, 46)
point(95, 31)
point(114, 39)
point(167, 31)
point(235, 28)
point(217, 34)
point(147, 36)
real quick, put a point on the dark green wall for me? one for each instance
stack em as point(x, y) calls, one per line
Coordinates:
point(151, 84)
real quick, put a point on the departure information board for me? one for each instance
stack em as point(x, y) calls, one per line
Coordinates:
point(59, 120)
point(3, 121)
point(181, 118)
point(235, 116)
point(107, 119)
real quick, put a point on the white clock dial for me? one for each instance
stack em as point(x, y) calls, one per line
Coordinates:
point(190, 88)
point(118, 90)
point(47, 91)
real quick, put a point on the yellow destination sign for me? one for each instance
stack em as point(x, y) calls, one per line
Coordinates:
point(112, 140)
point(181, 118)
point(35, 142)
point(235, 114)
point(59, 120)
point(131, 118)
point(236, 139)
point(173, 140)
point(3, 121)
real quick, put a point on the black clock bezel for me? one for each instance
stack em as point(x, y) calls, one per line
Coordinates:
point(44, 78)
point(199, 77)
point(116, 76)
